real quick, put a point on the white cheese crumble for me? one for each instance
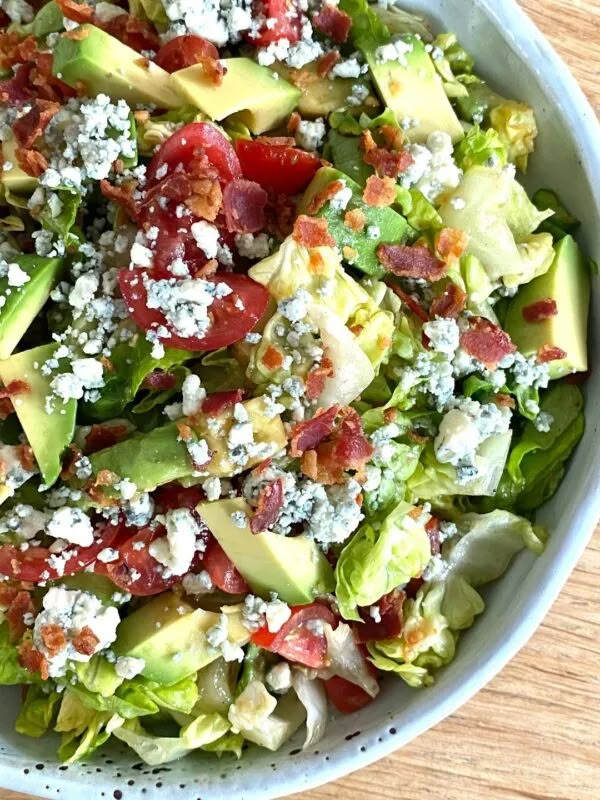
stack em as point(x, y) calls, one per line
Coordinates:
point(310, 134)
point(396, 50)
point(433, 170)
point(185, 304)
point(250, 245)
point(128, 666)
point(443, 335)
point(176, 550)
point(193, 395)
point(197, 584)
point(218, 638)
point(279, 678)
point(341, 198)
point(206, 237)
point(71, 524)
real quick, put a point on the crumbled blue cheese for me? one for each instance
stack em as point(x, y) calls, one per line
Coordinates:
point(310, 134)
point(239, 519)
point(295, 308)
point(128, 667)
point(348, 68)
point(185, 304)
point(176, 550)
point(433, 170)
point(193, 395)
point(72, 611)
point(339, 201)
point(443, 335)
point(18, 11)
point(16, 276)
point(257, 612)
point(206, 237)
point(255, 246)
point(197, 584)
point(396, 50)
point(25, 521)
point(543, 422)
point(359, 94)
point(218, 638)
point(71, 524)
point(279, 678)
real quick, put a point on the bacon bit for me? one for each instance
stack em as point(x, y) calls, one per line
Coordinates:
point(54, 639)
point(207, 270)
point(77, 34)
point(121, 195)
point(505, 400)
point(136, 33)
point(278, 141)
point(540, 310)
point(450, 303)
point(327, 62)
point(550, 353)
point(293, 122)
point(159, 381)
point(450, 244)
point(107, 363)
point(366, 142)
point(272, 358)
point(28, 128)
point(6, 408)
point(102, 436)
point(264, 465)
point(393, 137)
point(270, 502)
point(31, 161)
point(350, 253)
point(315, 380)
point(417, 438)
point(206, 199)
point(391, 622)
point(21, 605)
point(379, 192)
point(7, 595)
point(186, 434)
point(26, 458)
point(32, 660)
point(390, 415)
point(15, 387)
point(68, 467)
point(318, 200)
point(142, 62)
point(486, 342)
point(280, 213)
point(106, 478)
point(433, 531)
point(217, 402)
point(410, 302)
point(78, 12)
point(355, 219)
point(86, 641)
point(310, 433)
point(244, 204)
point(207, 56)
point(141, 116)
point(346, 449)
point(411, 262)
point(309, 465)
point(387, 162)
point(333, 23)
point(312, 232)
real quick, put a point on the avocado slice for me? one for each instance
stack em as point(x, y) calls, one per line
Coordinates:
point(294, 567)
point(23, 303)
point(170, 635)
point(362, 252)
point(320, 95)
point(14, 179)
point(103, 64)
point(253, 93)
point(412, 88)
point(567, 282)
point(48, 434)
point(158, 457)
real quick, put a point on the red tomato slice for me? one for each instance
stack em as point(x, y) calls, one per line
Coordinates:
point(173, 495)
point(136, 571)
point(295, 640)
point(34, 565)
point(345, 696)
point(181, 146)
point(222, 570)
point(230, 323)
point(277, 168)
point(287, 23)
point(185, 51)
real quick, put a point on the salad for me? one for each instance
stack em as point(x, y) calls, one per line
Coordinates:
point(289, 359)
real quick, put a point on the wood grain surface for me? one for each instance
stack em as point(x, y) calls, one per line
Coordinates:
point(534, 732)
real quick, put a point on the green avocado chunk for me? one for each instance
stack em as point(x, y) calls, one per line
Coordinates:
point(170, 635)
point(104, 65)
point(48, 434)
point(255, 94)
point(294, 567)
point(13, 178)
point(21, 304)
point(382, 224)
point(321, 95)
point(567, 282)
point(411, 87)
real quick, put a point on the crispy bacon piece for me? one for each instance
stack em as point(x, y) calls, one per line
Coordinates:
point(318, 200)
point(411, 262)
point(72, 456)
point(379, 192)
point(78, 12)
point(206, 197)
point(54, 639)
point(32, 660)
point(410, 302)
point(86, 641)
point(121, 195)
point(393, 137)
point(159, 381)
point(102, 436)
point(217, 402)
point(355, 219)
point(272, 358)
point(432, 529)
point(333, 23)
point(244, 204)
point(20, 605)
point(31, 161)
point(270, 503)
point(307, 435)
point(486, 342)
point(280, 214)
point(346, 448)
point(450, 244)
point(14, 388)
point(26, 458)
point(540, 310)
point(315, 380)
point(505, 400)
point(312, 232)
point(450, 303)
point(28, 128)
point(6, 408)
point(391, 622)
point(293, 122)
point(134, 32)
point(389, 162)
point(327, 62)
point(550, 353)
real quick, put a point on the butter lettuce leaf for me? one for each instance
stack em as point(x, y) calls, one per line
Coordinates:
point(37, 712)
point(482, 148)
point(11, 672)
point(83, 729)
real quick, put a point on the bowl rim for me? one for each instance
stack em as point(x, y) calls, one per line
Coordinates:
point(567, 96)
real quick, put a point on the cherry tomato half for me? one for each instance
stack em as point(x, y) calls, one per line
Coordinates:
point(185, 51)
point(222, 570)
point(287, 23)
point(277, 168)
point(230, 323)
point(346, 696)
point(296, 640)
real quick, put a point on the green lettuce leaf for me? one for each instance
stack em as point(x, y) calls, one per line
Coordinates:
point(84, 730)
point(129, 701)
point(368, 31)
point(481, 148)
point(562, 222)
point(419, 212)
point(181, 696)
point(62, 223)
point(380, 557)
point(229, 743)
point(37, 712)
point(154, 399)
point(11, 672)
point(516, 126)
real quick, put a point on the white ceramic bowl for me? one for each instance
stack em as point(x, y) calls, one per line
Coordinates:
point(513, 55)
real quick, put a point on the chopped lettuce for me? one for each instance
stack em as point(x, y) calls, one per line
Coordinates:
point(346, 659)
point(562, 222)
point(481, 148)
point(261, 719)
point(516, 126)
point(11, 672)
point(83, 729)
point(37, 712)
point(311, 694)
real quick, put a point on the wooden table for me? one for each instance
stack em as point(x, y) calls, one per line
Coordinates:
point(534, 732)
